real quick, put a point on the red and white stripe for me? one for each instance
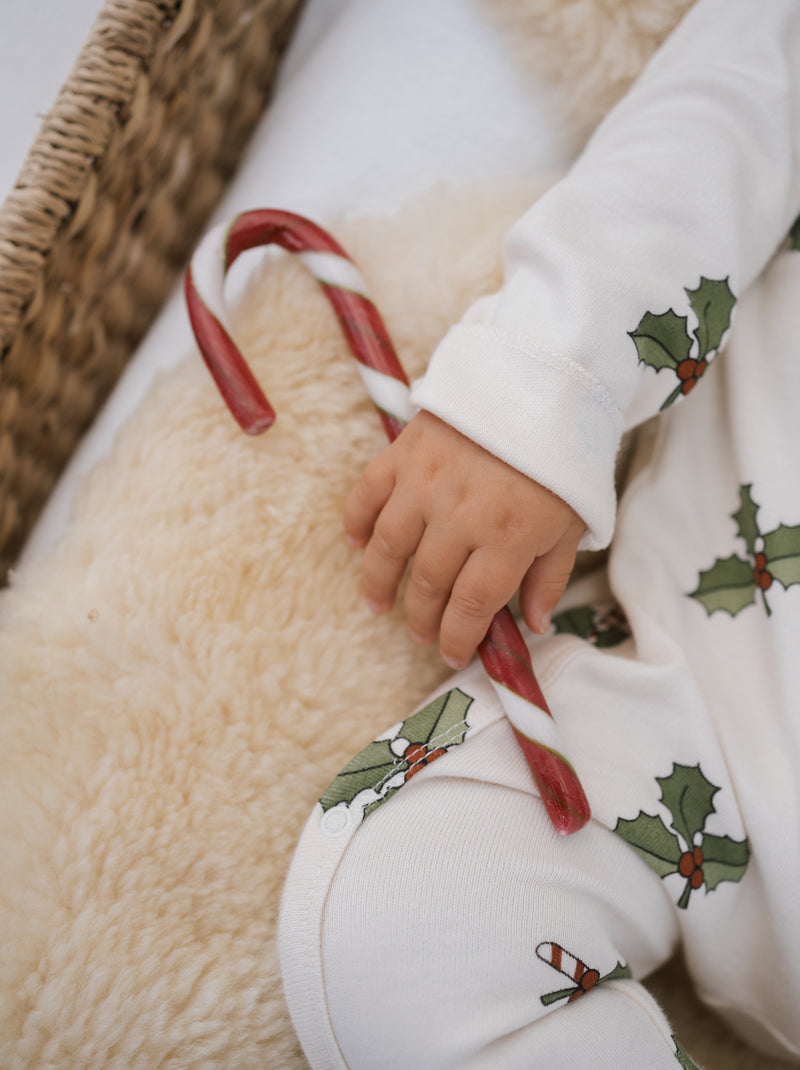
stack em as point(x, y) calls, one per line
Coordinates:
point(503, 652)
point(560, 959)
point(342, 284)
point(507, 661)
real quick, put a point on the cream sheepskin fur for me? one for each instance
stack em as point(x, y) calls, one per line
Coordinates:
point(588, 51)
point(184, 675)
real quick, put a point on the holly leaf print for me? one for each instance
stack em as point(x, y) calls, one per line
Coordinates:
point(439, 725)
point(379, 802)
point(662, 341)
point(370, 768)
point(687, 794)
point(724, 859)
point(728, 585)
point(782, 551)
point(712, 303)
point(442, 723)
point(621, 972)
point(577, 621)
point(603, 626)
point(745, 518)
point(699, 858)
point(651, 839)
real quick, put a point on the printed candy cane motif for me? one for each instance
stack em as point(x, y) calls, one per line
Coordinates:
point(562, 960)
point(584, 978)
point(503, 652)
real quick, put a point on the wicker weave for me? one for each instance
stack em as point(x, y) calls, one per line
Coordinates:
point(113, 194)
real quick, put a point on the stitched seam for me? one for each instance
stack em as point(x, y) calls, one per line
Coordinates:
point(434, 739)
point(556, 362)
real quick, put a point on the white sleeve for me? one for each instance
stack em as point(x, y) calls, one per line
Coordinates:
point(629, 265)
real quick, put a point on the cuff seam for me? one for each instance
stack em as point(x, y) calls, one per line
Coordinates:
point(553, 360)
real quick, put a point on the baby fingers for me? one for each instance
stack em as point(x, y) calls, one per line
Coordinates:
point(366, 500)
point(484, 585)
point(394, 539)
point(547, 578)
point(439, 558)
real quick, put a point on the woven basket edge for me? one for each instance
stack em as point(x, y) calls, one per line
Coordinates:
point(27, 203)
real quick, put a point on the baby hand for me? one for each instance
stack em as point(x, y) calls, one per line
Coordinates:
point(476, 528)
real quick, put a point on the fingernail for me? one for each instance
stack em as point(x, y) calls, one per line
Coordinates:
point(376, 607)
point(454, 663)
point(544, 623)
point(352, 542)
point(420, 639)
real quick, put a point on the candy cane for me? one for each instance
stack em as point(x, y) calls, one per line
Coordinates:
point(503, 652)
point(562, 960)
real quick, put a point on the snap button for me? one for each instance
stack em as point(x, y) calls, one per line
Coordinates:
point(336, 821)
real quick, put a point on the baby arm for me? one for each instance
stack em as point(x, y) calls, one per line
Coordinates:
point(476, 528)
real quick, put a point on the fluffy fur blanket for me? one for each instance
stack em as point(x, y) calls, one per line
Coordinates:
point(587, 52)
point(192, 666)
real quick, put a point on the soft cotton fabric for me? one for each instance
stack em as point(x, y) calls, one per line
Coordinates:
point(659, 278)
point(410, 898)
point(693, 175)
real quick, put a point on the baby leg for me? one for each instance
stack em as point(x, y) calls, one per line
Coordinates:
point(453, 928)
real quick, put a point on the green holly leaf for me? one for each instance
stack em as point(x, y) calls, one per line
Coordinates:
point(370, 768)
point(782, 551)
point(745, 518)
point(724, 859)
point(712, 303)
point(621, 971)
point(662, 341)
point(728, 585)
point(604, 629)
point(682, 1055)
point(379, 802)
point(687, 794)
point(578, 621)
point(651, 838)
point(794, 234)
point(561, 993)
point(608, 637)
point(442, 723)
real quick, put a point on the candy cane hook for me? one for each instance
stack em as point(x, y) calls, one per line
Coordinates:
point(503, 652)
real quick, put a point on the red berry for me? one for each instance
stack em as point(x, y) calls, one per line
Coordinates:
point(765, 580)
point(697, 855)
point(418, 756)
point(415, 756)
point(761, 562)
point(415, 753)
point(701, 367)
point(688, 386)
point(686, 368)
point(696, 878)
point(686, 865)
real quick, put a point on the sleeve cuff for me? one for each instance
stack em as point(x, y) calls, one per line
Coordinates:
point(544, 415)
